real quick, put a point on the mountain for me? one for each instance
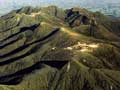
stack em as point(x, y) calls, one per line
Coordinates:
point(108, 7)
point(49, 48)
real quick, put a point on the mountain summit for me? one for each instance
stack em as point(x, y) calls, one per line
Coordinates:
point(48, 48)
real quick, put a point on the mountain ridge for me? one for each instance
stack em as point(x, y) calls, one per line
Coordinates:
point(49, 48)
point(109, 7)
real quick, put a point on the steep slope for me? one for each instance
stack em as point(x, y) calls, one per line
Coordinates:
point(53, 49)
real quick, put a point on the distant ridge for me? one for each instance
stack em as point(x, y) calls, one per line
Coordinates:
point(108, 7)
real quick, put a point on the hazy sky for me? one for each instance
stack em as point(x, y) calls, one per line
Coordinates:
point(8, 5)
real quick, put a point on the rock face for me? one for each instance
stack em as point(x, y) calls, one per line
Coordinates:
point(48, 48)
point(75, 18)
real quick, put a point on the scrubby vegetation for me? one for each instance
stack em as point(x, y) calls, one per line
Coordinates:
point(49, 48)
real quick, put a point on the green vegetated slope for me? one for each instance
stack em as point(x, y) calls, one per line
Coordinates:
point(49, 48)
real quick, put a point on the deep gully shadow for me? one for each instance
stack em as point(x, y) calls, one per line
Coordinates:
point(27, 45)
point(23, 29)
point(31, 51)
point(9, 43)
point(17, 77)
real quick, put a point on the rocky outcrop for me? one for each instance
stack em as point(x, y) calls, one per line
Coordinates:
point(76, 18)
